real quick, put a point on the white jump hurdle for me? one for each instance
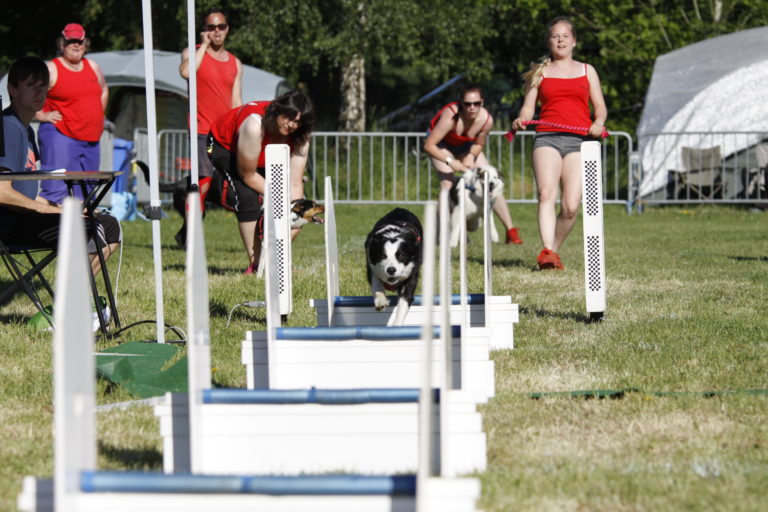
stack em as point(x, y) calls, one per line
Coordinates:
point(594, 239)
point(79, 487)
point(497, 313)
point(372, 356)
point(292, 431)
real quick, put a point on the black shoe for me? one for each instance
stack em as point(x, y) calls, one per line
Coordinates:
point(181, 238)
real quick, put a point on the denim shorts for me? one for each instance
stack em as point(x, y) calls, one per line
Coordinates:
point(564, 143)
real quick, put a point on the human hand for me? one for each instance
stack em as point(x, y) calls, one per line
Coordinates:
point(517, 124)
point(52, 116)
point(597, 130)
point(469, 160)
point(205, 38)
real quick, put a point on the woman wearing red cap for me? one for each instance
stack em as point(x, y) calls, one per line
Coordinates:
point(72, 118)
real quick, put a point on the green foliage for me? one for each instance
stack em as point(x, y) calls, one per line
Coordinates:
point(409, 47)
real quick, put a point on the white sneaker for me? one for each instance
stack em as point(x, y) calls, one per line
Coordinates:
point(106, 312)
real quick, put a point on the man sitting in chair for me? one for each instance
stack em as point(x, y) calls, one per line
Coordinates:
point(23, 220)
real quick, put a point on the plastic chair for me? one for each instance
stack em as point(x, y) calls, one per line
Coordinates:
point(701, 177)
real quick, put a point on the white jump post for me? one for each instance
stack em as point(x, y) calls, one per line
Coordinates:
point(463, 287)
point(278, 157)
point(426, 427)
point(74, 385)
point(331, 250)
point(199, 344)
point(594, 239)
point(487, 251)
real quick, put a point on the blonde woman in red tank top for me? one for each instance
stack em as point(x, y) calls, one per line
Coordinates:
point(565, 88)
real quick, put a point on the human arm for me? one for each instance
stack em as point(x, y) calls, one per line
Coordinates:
point(14, 200)
point(598, 103)
point(437, 134)
point(298, 163)
point(250, 136)
point(205, 42)
point(102, 83)
point(526, 112)
point(237, 86)
point(51, 116)
point(477, 148)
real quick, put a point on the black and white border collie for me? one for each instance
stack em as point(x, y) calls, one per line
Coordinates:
point(393, 254)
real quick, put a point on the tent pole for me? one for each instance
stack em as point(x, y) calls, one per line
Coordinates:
point(154, 210)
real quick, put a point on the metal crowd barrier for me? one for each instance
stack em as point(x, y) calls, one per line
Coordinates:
point(382, 167)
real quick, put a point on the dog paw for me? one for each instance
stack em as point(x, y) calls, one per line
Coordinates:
point(380, 301)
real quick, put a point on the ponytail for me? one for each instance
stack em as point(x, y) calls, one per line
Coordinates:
point(534, 75)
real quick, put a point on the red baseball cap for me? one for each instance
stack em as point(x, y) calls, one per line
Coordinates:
point(73, 31)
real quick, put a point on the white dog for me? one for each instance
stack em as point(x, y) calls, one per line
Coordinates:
point(474, 181)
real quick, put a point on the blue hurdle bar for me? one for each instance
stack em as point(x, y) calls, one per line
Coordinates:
point(313, 396)
point(407, 332)
point(347, 485)
point(367, 300)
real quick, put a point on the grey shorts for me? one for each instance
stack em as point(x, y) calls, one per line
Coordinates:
point(564, 143)
point(204, 165)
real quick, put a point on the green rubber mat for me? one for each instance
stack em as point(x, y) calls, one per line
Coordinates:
point(144, 369)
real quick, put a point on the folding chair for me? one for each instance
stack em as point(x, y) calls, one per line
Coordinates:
point(25, 272)
point(701, 177)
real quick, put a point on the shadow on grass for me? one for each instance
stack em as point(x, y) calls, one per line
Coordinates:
point(148, 458)
point(212, 270)
point(749, 258)
point(503, 262)
point(254, 315)
point(13, 319)
point(543, 313)
point(174, 247)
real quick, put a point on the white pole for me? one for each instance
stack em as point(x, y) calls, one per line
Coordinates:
point(191, 36)
point(154, 190)
point(425, 398)
point(463, 258)
point(594, 239)
point(487, 258)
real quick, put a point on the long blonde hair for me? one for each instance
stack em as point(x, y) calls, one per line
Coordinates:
point(534, 75)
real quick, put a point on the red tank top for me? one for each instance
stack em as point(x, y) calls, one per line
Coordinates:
point(452, 138)
point(565, 101)
point(225, 129)
point(77, 95)
point(215, 81)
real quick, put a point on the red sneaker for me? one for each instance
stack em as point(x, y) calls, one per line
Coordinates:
point(250, 270)
point(549, 260)
point(512, 237)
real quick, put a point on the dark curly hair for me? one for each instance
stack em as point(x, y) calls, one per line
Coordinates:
point(290, 105)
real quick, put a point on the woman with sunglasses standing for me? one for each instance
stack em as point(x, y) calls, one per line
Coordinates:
point(219, 89)
point(455, 142)
point(72, 117)
point(565, 88)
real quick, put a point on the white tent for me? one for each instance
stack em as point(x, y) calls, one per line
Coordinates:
point(715, 86)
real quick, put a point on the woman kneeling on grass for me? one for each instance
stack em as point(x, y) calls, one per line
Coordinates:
point(564, 87)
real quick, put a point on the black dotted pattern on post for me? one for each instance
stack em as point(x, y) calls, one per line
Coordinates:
point(593, 263)
point(278, 199)
point(591, 198)
point(280, 256)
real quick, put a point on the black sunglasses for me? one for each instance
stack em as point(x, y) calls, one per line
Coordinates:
point(472, 103)
point(220, 26)
point(74, 41)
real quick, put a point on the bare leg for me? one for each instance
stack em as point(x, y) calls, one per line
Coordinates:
point(570, 198)
point(548, 167)
point(250, 240)
point(107, 252)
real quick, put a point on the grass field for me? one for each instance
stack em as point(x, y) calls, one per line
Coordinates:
point(686, 315)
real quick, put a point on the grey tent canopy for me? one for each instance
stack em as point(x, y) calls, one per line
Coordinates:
point(715, 85)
